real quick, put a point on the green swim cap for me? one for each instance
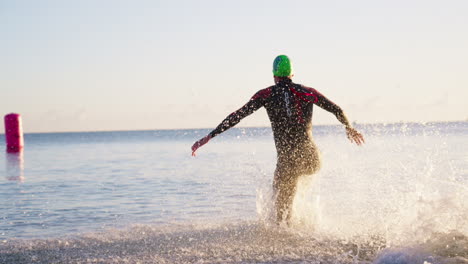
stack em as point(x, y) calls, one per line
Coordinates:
point(282, 66)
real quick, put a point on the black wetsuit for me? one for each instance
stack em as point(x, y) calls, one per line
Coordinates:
point(289, 107)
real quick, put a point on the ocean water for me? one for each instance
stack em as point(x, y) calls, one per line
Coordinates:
point(139, 197)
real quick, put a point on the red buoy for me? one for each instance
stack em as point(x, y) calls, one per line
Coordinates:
point(13, 133)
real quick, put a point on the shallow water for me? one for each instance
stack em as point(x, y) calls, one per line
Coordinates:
point(139, 197)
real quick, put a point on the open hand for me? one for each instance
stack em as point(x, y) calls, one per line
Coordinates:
point(200, 143)
point(354, 136)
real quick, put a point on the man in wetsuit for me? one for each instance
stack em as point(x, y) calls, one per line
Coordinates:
point(289, 107)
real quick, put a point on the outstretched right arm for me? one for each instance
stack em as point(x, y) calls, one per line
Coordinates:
point(352, 134)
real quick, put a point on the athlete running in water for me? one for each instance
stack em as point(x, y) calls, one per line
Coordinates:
point(289, 107)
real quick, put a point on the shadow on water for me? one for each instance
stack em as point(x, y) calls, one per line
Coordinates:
point(231, 243)
point(228, 243)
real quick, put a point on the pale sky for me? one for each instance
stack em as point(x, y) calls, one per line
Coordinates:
point(129, 65)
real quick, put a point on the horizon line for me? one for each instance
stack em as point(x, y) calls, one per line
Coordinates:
point(172, 129)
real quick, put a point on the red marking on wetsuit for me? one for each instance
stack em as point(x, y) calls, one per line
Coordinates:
point(265, 93)
point(298, 106)
point(299, 111)
point(300, 95)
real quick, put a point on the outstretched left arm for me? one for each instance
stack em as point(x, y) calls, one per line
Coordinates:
point(233, 119)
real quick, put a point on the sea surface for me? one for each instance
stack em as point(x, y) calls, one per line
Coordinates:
point(140, 197)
